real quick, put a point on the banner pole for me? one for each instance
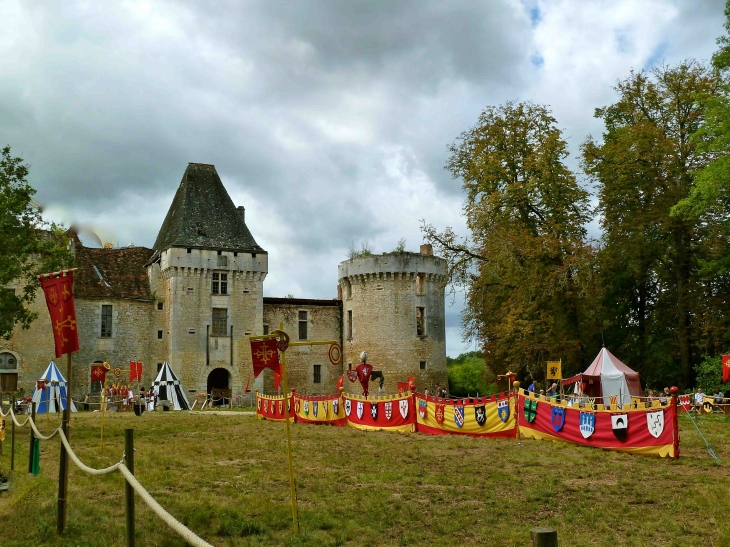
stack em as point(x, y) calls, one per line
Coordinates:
point(292, 486)
point(103, 413)
point(12, 434)
point(63, 468)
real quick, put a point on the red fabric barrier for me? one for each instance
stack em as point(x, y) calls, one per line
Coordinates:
point(638, 438)
point(391, 414)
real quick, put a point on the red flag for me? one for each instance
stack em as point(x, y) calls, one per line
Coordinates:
point(248, 380)
point(340, 381)
point(58, 288)
point(277, 380)
point(40, 384)
point(265, 355)
point(135, 371)
point(98, 373)
point(725, 368)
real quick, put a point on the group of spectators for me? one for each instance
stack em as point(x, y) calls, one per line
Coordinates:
point(124, 399)
point(436, 391)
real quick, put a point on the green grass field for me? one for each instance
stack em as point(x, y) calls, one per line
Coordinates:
point(225, 477)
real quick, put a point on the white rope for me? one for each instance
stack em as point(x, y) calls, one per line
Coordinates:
point(168, 519)
point(85, 468)
point(40, 435)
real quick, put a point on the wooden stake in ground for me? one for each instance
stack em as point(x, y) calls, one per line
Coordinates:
point(63, 464)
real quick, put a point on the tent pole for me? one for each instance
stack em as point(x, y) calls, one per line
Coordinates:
point(63, 468)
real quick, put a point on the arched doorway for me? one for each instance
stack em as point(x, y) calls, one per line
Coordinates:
point(219, 383)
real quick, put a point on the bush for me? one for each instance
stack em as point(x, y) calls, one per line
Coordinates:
point(709, 374)
point(469, 375)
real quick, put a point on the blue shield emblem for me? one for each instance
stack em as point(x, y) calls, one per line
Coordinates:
point(558, 418)
point(335, 406)
point(315, 408)
point(324, 408)
point(587, 424)
point(459, 415)
point(503, 409)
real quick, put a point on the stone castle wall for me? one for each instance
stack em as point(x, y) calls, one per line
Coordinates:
point(381, 295)
point(323, 323)
point(184, 281)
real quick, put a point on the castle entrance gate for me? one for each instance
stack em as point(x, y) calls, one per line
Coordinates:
point(219, 387)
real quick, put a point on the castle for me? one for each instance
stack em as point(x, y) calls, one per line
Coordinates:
point(195, 298)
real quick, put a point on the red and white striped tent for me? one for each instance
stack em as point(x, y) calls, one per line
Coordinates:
point(607, 377)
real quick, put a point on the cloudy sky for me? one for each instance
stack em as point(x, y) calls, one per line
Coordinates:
point(328, 120)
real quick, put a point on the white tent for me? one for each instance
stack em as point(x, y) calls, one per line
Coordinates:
point(607, 378)
point(53, 397)
point(169, 388)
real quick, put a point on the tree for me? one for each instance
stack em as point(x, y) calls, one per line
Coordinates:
point(469, 375)
point(526, 266)
point(655, 304)
point(29, 245)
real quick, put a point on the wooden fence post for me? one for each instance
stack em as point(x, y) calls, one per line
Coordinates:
point(32, 438)
point(12, 436)
point(128, 490)
point(544, 537)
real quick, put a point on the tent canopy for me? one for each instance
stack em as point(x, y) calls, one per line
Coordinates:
point(607, 377)
point(53, 397)
point(169, 388)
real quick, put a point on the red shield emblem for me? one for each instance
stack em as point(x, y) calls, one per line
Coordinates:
point(352, 375)
point(440, 413)
point(52, 295)
point(296, 406)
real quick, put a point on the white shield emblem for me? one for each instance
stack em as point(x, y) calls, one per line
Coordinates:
point(335, 407)
point(348, 407)
point(306, 408)
point(587, 424)
point(403, 406)
point(388, 409)
point(360, 408)
point(655, 423)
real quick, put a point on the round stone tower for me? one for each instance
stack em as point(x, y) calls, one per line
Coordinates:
point(393, 308)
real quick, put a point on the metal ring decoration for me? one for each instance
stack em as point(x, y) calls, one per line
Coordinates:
point(283, 343)
point(335, 354)
point(117, 372)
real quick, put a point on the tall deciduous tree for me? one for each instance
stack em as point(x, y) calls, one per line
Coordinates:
point(654, 300)
point(526, 266)
point(29, 245)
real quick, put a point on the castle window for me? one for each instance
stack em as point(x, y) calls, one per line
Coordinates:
point(420, 283)
point(220, 283)
point(235, 253)
point(266, 329)
point(317, 376)
point(422, 365)
point(421, 321)
point(159, 306)
point(303, 322)
point(222, 260)
point(189, 250)
point(349, 324)
point(159, 367)
point(220, 322)
point(106, 321)
point(159, 335)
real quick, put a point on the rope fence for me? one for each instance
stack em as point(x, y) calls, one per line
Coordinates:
point(174, 524)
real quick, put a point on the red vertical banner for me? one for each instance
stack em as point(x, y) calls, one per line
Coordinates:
point(58, 290)
point(725, 368)
point(135, 371)
point(265, 354)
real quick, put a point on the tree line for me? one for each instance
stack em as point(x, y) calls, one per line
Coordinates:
point(655, 286)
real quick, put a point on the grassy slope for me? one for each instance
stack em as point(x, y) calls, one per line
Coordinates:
point(225, 477)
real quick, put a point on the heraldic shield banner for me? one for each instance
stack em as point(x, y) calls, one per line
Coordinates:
point(272, 408)
point(478, 416)
point(329, 409)
point(651, 431)
point(396, 413)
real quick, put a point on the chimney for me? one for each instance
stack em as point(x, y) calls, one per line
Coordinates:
point(242, 212)
point(426, 249)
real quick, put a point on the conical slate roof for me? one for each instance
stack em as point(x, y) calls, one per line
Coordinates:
point(203, 215)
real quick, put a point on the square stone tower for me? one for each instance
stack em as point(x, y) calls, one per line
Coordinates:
point(207, 277)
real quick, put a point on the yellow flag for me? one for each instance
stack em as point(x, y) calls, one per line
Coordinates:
point(553, 370)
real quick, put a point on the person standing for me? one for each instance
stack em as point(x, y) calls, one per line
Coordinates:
point(532, 387)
